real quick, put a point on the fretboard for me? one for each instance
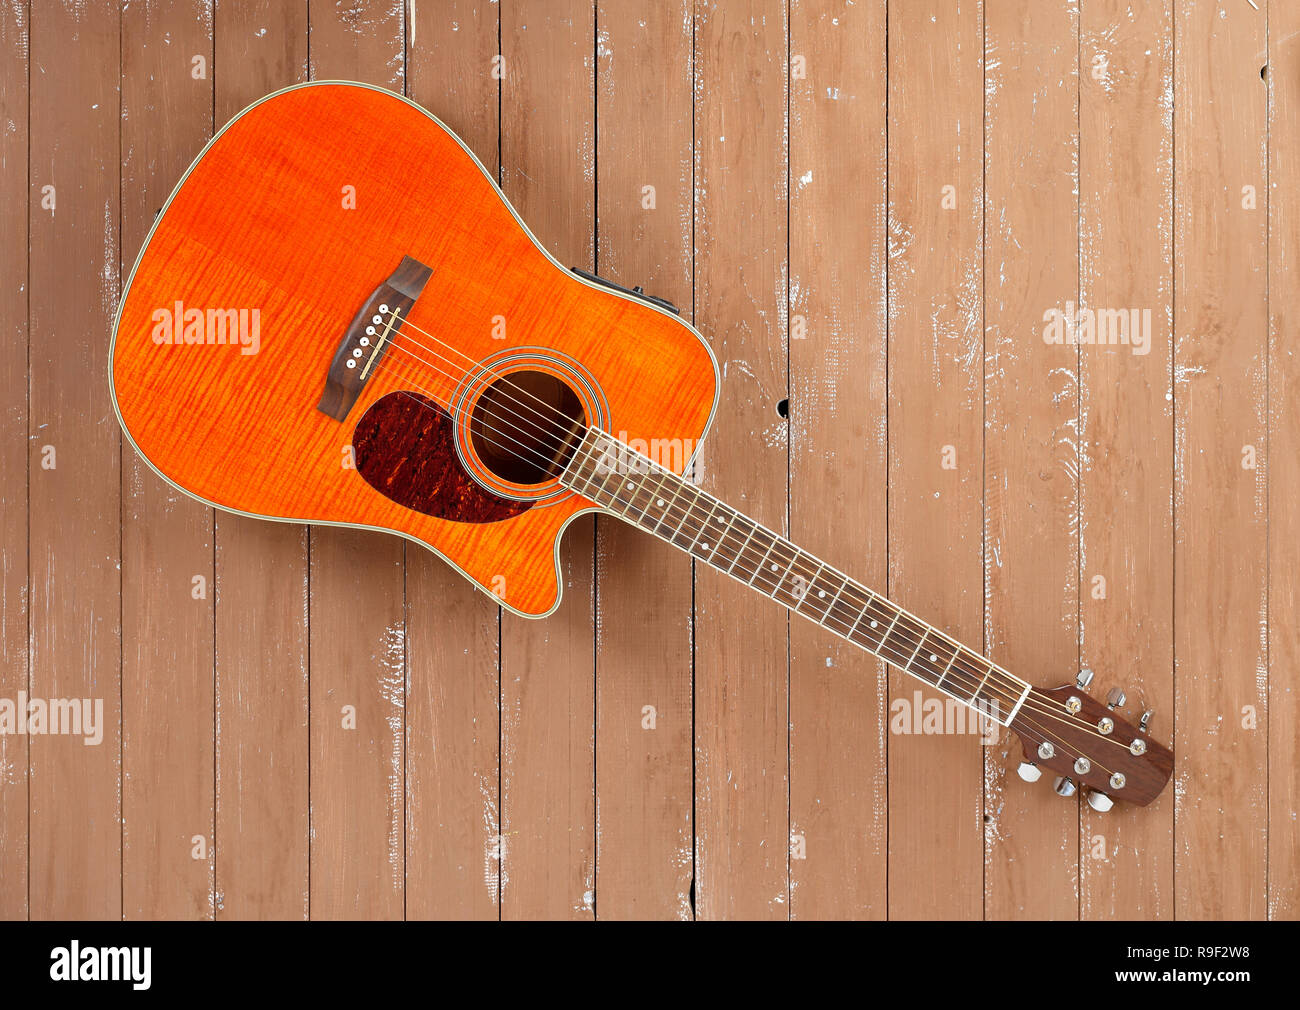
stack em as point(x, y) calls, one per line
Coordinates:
point(628, 484)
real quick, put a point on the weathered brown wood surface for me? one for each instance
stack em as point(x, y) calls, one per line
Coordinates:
point(871, 210)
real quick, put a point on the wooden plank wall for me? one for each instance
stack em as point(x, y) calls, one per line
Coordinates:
point(839, 811)
point(168, 599)
point(263, 825)
point(935, 429)
point(14, 583)
point(1031, 410)
point(871, 209)
point(1125, 407)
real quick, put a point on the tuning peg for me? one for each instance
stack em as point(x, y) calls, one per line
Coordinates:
point(1063, 786)
point(1145, 720)
point(1099, 802)
point(1115, 698)
point(1083, 679)
point(1029, 771)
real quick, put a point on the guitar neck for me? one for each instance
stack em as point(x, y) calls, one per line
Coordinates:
point(636, 489)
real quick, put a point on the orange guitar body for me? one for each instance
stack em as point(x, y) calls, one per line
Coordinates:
point(284, 227)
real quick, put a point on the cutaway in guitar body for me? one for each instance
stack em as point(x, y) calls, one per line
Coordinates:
point(405, 447)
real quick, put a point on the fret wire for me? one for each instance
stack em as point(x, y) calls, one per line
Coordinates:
point(744, 543)
point(812, 585)
point(834, 600)
point(640, 486)
point(865, 607)
point(583, 457)
point(708, 525)
point(690, 504)
point(929, 666)
point(1010, 685)
point(778, 582)
point(794, 556)
point(890, 629)
point(686, 513)
point(649, 500)
point(948, 666)
point(701, 529)
point(763, 560)
point(661, 495)
point(761, 567)
point(916, 652)
point(808, 583)
point(595, 468)
point(623, 486)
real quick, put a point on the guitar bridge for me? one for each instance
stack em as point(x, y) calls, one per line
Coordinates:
point(366, 340)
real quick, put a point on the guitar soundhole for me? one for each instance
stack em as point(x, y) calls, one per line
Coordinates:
point(526, 426)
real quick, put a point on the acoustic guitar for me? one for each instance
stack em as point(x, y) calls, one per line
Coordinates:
point(337, 318)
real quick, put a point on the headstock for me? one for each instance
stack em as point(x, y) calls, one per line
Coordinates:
point(1088, 744)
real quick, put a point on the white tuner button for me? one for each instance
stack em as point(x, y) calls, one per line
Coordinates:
point(1099, 802)
point(1029, 772)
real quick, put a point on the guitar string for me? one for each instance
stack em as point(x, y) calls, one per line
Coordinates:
point(960, 668)
point(564, 434)
point(883, 606)
point(886, 649)
point(904, 665)
point(953, 668)
point(1030, 696)
point(973, 674)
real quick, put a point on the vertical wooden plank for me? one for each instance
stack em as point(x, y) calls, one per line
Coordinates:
point(453, 715)
point(74, 445)
point(1220, 354)
point(935, 447)
point(167, 561)
point(741, 291)
point(357, 619)
point(1031, 418)
point(1284, 465)
point(645, 855)
point(547, 667)
point(13, 451)
point(1125, 478)
point(262, 814)
point(838, 469)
